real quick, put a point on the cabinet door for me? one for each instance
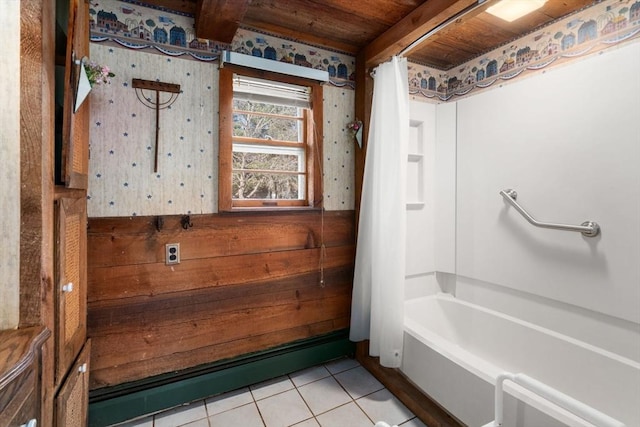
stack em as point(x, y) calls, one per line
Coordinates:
point(71, 263)
point(72, 402)
point(75, 124)
point(20, 375)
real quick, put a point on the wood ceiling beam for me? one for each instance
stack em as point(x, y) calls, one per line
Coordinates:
point(423, 18)
point(219, 19)
point(183, 6)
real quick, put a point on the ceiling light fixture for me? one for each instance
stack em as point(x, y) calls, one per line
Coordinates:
point(510, 10)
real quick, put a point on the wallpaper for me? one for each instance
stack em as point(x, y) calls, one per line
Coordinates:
point(136, 25)
point(122, 181)
point(10, 145)
point(593, 29)
point(339, 147)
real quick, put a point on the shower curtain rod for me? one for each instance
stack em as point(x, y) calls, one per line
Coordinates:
point(443, 25)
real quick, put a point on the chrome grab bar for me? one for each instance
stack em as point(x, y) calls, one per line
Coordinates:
point(587, 228)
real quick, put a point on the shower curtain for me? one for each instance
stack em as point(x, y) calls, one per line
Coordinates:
point(377, 308)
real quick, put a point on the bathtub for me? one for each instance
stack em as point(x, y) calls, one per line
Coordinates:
point(454, 350)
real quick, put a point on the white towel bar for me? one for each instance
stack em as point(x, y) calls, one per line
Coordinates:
point(572, 405)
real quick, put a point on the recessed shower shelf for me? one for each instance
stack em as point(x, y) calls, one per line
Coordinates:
point(415, 205)
point(414, 157)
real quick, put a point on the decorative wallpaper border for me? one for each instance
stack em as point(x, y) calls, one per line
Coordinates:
point(586, 32)
point(134, 25)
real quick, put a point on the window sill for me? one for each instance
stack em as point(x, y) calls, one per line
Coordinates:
point(271, 209)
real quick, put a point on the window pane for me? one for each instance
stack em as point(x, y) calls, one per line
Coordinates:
point(260, 185)
point(264, 126)
point(266, 161)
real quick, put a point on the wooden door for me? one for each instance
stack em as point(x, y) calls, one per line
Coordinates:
point(72, 402)
point(75, 124)
point(71, 275)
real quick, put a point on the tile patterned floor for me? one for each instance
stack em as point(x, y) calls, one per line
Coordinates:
point(338, 394)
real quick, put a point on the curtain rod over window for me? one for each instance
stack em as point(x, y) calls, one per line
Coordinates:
point(273, 66)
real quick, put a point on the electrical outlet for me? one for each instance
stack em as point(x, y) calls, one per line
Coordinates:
point(172, 253)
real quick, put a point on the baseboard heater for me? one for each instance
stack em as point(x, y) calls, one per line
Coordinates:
point(111, 405)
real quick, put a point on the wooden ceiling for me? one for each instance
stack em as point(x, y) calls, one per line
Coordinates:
point(376, 29)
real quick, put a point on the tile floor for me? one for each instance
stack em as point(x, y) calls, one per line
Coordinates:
point(338, 394)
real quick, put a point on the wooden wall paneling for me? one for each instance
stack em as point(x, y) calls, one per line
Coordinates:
point(36, 142)
point(288, 295)
point(154, 279)
point(255, 285)
point(139, 369)
point(151, 337)
point(37, 58)
point(364, 98)
point(71, 280)
point(162, 310)
point(137, 241)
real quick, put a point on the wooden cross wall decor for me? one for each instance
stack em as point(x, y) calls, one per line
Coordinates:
point(140, 86)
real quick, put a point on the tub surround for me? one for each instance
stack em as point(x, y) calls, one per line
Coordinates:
point(569, 157)
point(567, 143)
point(454, 350)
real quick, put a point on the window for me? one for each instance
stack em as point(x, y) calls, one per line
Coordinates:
point(270, 140)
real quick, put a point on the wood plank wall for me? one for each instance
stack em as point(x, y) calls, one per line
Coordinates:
point(246, 282)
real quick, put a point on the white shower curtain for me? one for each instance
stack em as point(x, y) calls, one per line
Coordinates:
point(378, 290)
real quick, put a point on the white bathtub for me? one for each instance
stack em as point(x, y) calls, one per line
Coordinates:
point(454, 350)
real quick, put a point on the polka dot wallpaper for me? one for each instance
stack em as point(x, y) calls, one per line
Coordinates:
point(339, 146)
point(122, 181)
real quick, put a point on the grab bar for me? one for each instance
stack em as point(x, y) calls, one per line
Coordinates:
point(572, 405)
point(587, 228)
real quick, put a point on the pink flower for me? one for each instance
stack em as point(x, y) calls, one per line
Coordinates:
point(98, 74)
point(355, 125)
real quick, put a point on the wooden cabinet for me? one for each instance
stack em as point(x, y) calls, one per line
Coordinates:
point(72, 351)
point(72, 401)
point(75, 127)
point(20, 375)
point(71, 280)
